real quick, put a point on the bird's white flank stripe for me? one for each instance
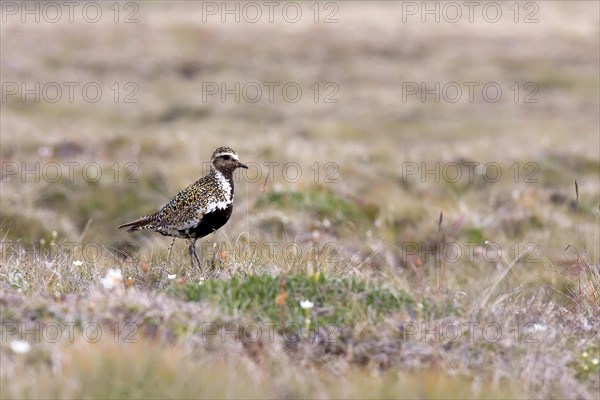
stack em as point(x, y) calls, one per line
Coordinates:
point(226, 188)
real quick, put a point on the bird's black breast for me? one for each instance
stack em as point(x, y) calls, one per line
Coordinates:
point(209, 223)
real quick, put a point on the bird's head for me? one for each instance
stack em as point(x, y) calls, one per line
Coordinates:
point(226, 160)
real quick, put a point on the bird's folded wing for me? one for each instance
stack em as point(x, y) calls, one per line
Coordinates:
point(181, 215)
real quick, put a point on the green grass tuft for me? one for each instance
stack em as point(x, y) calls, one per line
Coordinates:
point(340, 301)
point(323, 204)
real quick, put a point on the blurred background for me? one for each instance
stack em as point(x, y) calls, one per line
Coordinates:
point(411, 163)
point(341, 109)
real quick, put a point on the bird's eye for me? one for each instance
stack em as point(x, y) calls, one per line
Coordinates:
point(226, 157)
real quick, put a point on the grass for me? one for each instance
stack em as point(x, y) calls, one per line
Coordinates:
point(98, 371)
point(339, 301)
point(324, 205)
point(411, 296)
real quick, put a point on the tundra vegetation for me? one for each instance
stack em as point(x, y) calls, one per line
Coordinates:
point(420, 217)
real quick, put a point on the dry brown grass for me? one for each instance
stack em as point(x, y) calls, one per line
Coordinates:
point(364, 225)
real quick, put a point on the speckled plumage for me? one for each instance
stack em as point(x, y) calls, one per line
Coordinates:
point(201, 208)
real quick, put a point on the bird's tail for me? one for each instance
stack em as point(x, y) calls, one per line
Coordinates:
point(139, 224)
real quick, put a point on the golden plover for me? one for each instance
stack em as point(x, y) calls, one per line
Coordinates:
point(201, 208)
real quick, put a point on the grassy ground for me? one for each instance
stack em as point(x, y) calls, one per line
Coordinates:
point(425, 284)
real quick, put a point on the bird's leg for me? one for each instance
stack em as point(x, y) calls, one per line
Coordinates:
point(215, 249)
point(191, 251)
point(170, 248)
point(193, 254)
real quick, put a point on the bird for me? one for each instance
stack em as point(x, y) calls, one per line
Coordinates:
point(198, 210)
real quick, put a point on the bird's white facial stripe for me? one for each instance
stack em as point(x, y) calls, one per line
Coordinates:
point(232, 155)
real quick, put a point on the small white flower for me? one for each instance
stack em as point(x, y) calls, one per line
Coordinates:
point(171, 277)
point(307, 304)
point(112, 279)
point(201, 281)
point(595, 361)
point(20, 346)
point(540, 328)
point(78, 263)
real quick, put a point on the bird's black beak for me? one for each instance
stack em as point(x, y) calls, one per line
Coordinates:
point(242, 165)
